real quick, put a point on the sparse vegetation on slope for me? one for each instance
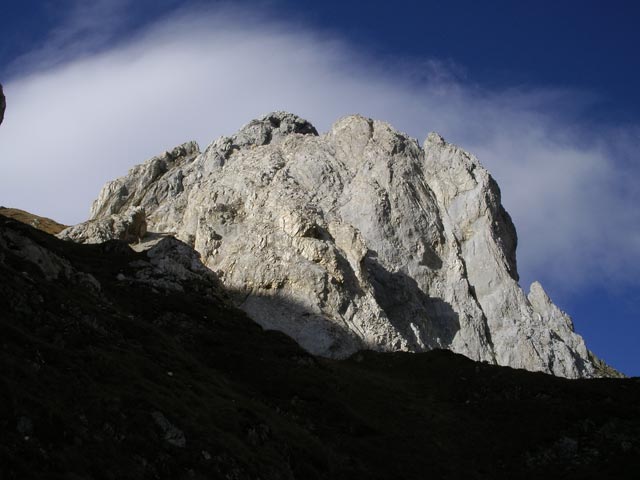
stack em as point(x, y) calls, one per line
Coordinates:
point(41, 223)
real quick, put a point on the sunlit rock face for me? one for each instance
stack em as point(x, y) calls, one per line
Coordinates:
point(357, 238)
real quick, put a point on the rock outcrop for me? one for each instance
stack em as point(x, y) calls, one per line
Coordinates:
point(130, 226)
point(3, 104)
point(357, 238)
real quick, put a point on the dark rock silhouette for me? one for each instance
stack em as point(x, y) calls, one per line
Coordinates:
point(124, 364)
point(3, 104)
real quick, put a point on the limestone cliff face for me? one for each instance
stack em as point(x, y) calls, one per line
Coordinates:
point(357, 238)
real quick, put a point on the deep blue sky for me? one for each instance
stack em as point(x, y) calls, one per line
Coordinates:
point(584, 44)
point(586, 47)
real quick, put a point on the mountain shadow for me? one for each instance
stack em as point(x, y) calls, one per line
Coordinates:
point(431, 322)
point(111, 367)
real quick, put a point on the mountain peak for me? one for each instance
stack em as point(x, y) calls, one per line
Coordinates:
point(271, 127)
point(434, 138)
point(355, 239)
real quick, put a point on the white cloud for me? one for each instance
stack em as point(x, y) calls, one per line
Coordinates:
point(87, 118)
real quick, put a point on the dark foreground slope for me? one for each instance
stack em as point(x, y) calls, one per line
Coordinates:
point(109, 370)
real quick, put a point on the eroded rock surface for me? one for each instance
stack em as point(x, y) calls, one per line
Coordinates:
point(130, 226)
point(357, 238)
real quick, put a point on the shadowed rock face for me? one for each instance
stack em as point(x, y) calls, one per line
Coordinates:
point(357, 238)
point(123, 364)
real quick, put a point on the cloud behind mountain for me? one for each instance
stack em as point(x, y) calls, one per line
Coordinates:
point(88, 114)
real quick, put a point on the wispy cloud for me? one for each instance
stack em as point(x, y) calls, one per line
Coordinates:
point(84, 119)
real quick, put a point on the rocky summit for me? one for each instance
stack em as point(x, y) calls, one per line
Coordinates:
point(359, 238)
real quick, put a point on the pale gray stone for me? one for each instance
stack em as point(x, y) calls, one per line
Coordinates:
point(357, 238)
point(50, 265)
point(172, 434)
point(130, 226)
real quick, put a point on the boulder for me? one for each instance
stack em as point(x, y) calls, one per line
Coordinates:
point(130, 226)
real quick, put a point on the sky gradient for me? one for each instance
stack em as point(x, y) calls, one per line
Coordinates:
point(544, 95)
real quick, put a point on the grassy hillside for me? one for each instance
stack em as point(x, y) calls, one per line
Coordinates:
point(41, 223)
